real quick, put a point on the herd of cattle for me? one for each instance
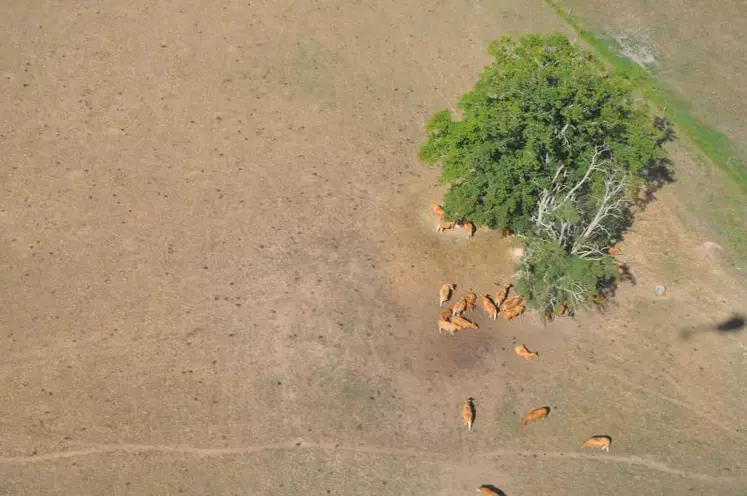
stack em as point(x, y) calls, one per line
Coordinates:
point(452, 320)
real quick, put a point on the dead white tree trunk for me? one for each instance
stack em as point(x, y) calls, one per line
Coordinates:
point(575, 237)
point(593, 166)
point(577, 294)
point(611, 205)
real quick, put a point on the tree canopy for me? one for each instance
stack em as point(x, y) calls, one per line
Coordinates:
point(554, 147)
point(542, 109)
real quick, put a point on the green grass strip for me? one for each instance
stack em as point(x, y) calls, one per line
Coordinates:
point(713, 144)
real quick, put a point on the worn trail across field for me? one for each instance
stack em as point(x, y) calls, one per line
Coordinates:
point(370, 450)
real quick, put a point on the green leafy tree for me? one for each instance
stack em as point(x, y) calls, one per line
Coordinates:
point(553, 147)
point(550, 277)
point(536, 120)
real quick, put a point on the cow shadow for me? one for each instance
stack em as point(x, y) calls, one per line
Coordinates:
point(734, 324)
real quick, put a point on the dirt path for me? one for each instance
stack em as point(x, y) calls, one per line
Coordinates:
point(216, 246)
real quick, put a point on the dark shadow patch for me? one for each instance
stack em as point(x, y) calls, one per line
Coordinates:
point(626, 275)
point(467, 350)
point(657, 174)
point(665, 126)
point(659, 171)
point(735, 323)
point(607, 287)
point(606, 290)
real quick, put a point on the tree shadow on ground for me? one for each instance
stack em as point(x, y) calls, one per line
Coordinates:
point(626, 275)
point(734, 324)
point(607, 286)
point(666, 128)
point(659, 172)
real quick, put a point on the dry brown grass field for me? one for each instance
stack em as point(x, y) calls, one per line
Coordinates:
point(219, 272)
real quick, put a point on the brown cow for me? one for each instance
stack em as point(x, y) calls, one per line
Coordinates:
point(524, 352)
point(445, 326)
point(602, 442)
point(536, 414)
point(471, 298)
point(444, 225)
point(489, 306)
point(445, 293)
point(512, 302)
point(445, 314)
point(488, 491)
point(560, 309)
point(502, 293)
point(470, 228)
point(512, 312)
point(463, 323)
point(459, 307)
point(468, 412)
point(437, 210)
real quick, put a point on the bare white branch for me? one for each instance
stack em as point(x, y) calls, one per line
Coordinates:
point(593, 166)
point(557, 174)
point(576, 237)
point(545, 208)
point(546, 159)
point(576, 292)
point(589, 252)
point(561, 133)
point(612, 204)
